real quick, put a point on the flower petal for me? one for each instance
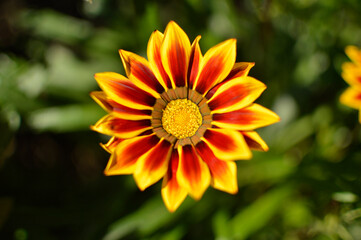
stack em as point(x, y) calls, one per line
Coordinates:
point(111, 144)
point(194, 61)
point(351, 97)
point(155, 60)
point(354, 54)
point(254, 141)
point(192, 174)
point(101, 99)
point(249, 118)
point(119, 110)
point(153, 165)
point(123, 91)
point(139, 72)
point(126, 154)
point(173, 194)
point(121, 128)
point(352, 74)
point(224, 173)
point(216, 65)
point(175, 52)
point(227, 144)
point(235, 94)
point(240, 69)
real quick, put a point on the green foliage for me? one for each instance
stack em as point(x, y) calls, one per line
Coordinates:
point(52, 187)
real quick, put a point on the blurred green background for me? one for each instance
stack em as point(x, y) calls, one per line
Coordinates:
point(51, 182)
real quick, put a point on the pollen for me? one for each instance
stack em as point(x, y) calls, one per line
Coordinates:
point(181, 118)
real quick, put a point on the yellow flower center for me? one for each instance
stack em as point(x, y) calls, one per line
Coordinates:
point(181, 118)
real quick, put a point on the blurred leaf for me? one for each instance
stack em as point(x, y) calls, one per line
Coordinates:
point(54, 25)
point(147, 219)
point(296, 214)
point(257, 215)
point(272, 169)
point(65, 118)
point(346, 197)
point(220, 225)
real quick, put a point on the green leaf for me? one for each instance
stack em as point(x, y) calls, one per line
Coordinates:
point(258, 214)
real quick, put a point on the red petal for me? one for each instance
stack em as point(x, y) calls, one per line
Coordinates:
point(173, 194)
point(112, 144)
point(155, 60)
point(123, 91)
point(121, 128)
point(235, 94)
point(216, 65)
point(193, 174)
point(254, 141)
point(140, 74)
point(153, 165)
point(227, 144)
point(195, 59)
point(175, 53)
point(224, 173)
point(127, 153)
point(249, 118)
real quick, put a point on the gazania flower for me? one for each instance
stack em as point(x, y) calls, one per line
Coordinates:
point(351, 72)
point(181, 116)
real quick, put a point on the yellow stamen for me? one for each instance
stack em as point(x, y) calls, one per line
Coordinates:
point(181, 118)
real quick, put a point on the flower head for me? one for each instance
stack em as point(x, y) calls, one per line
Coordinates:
point(181, 116)
point(351, 73)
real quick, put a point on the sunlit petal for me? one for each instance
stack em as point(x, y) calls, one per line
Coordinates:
point(193, 173)
point(216, 65)
point(351, 97)
point(173, 194)
point(227, 144)
point(195, 59)
point(139, 72)
point(121, 128)
point(111, 144)
point(155, 59)
point(354, 54)
point(224, 173)
point(235, 94)
point(175, 52)
point(153, 165)
point(127, 153)
point(249, 118)
point(254, 141)
point(124, 92)
point(351, 73)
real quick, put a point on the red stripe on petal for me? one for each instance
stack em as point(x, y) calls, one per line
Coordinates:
point(227, 144)
point(155, 60)
point(173, 194)
point(123, 91)
point(235, 94)
point(193, 174)
point(195, 59)
point(224, 173)
point(153, 165)
point(254, 141)
point(175, 53)
point(140, 73)
point(112, 144)
point(249, 118)
point(127, 153)
point(122, 128)
point(240, 69)
point(216, 65)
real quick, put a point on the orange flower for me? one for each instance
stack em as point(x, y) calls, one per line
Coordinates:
point(181, 116)
point(351, 72)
